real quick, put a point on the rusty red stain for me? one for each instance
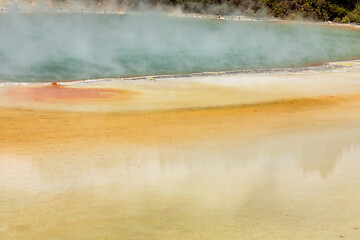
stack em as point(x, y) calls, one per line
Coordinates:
point(58, 93)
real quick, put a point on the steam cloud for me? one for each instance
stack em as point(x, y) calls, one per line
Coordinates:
point(53, 47)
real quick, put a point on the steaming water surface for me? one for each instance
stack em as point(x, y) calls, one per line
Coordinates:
point(49, 47)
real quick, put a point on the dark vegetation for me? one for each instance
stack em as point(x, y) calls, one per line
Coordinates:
point(324, 10)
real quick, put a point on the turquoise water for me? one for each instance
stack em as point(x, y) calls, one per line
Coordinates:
point(50, 47)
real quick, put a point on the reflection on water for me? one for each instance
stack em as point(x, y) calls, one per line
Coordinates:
point(303, 186)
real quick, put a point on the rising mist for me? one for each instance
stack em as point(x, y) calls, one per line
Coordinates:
point(53, 47)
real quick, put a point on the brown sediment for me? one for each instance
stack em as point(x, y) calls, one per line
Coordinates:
point(325, 24)
point(315, 64)
point(26, 129)
point(56, 92)
point(322, 63)
point(342, 25)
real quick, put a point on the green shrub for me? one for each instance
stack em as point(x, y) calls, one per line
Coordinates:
point(353, 16)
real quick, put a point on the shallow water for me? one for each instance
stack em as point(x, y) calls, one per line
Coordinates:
point(298, 185)
point(274, 169)
point(50, 47)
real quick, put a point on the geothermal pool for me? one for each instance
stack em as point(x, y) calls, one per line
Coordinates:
point(242, 156)
point(253, 156)
point(49, 47)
